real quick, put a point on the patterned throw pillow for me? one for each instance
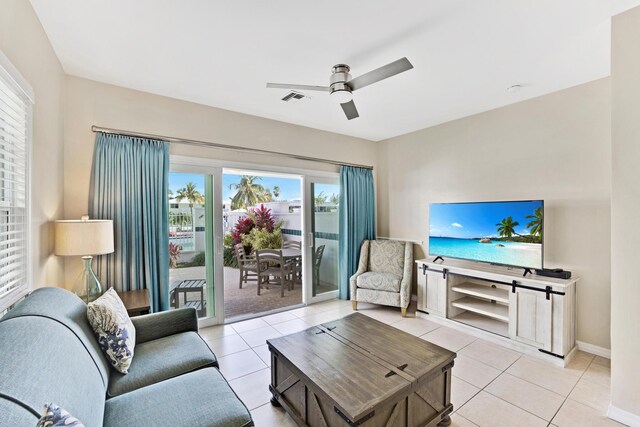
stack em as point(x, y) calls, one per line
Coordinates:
point(55, 416)
point(116, 334)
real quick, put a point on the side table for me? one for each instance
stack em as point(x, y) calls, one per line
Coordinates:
point(136, 302)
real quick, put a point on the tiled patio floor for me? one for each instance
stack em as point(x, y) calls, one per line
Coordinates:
point(492, 385)
point(245, 301)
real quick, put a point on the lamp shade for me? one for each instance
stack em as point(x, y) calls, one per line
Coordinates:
point(84, 237)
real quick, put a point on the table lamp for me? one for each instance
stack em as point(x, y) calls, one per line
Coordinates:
point(85, 238)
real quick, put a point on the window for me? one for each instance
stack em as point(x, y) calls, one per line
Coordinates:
point(15, 135)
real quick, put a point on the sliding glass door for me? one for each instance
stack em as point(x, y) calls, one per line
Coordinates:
point(193, 248)
point(322, 205)
point(215, 206)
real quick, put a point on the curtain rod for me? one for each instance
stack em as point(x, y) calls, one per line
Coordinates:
point(194, 142)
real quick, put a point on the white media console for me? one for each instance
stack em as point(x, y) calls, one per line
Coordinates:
point(532, 314)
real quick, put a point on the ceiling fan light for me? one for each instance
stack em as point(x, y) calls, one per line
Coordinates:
point(341, 96)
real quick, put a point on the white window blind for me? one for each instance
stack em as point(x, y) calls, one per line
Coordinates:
point(15, 136)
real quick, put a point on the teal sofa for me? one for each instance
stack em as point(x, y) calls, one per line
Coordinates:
point(48, 353)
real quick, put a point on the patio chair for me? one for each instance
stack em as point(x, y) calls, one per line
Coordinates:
point(273, 269)
point(384, 274)
point(247, 264)
point(291, 244)
point(295, 263)
point(317, 259)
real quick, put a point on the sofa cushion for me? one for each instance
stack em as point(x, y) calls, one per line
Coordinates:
point(14, 414)
point(162, 359)
point(198, 399)
point(386, 256)
point(388, 282)
point(55, 416)
point(41, 360)
point(68, 310)
point(116, 334)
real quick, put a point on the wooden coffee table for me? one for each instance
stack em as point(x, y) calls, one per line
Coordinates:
point(359, 371)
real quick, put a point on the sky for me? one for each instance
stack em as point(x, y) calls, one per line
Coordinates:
point(471, 220)
point(289, 187)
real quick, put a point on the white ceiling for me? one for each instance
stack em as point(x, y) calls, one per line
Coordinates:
point(221, 53)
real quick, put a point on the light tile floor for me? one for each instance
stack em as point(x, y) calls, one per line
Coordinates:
point(492, 385)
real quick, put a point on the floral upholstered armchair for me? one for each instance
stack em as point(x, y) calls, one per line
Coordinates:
point(384, 274)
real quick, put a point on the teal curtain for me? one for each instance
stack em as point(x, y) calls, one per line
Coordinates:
point(129, 185)
point(357, 220)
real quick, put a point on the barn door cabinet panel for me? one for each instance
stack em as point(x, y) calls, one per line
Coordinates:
point(432, 293)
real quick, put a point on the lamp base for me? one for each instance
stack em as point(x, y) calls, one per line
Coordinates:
point(87, 286)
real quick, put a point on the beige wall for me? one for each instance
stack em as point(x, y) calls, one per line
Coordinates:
point(625, 208)
point(23, 41)
point(92, 103)
point(556, 148)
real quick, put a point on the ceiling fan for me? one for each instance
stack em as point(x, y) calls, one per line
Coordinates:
point(341, 84)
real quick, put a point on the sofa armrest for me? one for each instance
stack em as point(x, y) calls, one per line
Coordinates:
point(362, 268)
point(157, 325)
point(405, 284)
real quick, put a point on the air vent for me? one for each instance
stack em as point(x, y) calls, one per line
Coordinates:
point(294, 96)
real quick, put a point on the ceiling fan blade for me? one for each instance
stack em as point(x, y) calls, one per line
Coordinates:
point(299, 87)
point(396, 67)
point(350, 110)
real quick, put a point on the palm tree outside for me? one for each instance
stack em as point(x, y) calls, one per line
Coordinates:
point(249, 193)
point(193, 196)
point(276, 191)
point(320, 198)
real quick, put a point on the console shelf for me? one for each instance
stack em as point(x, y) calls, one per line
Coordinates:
point(482, 322)
point(483, 307)
point(488, 292)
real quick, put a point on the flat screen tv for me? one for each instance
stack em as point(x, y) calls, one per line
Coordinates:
point(504, 233)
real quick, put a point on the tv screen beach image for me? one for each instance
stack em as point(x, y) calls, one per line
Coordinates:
point(508, 233)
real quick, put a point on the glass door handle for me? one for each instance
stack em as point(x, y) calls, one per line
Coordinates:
point(220, 245)
point(310, 237)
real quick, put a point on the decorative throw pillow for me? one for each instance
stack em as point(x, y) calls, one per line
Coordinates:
point(55, 416)
point(116, 334)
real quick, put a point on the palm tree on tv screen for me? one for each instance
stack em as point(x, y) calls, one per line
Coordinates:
point(249, 193)
point(535, 226)
point(506, 228)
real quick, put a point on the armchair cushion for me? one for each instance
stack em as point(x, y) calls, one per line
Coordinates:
point(386, 256)
point(389, 282)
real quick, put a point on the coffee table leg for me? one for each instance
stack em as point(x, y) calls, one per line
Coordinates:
point(275, 402)
point(446, 421)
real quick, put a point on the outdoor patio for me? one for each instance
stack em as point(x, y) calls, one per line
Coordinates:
point(241, 302)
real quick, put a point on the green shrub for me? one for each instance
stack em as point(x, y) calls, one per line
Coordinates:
point(263, 239)
point(230, 259)
point(198, 260)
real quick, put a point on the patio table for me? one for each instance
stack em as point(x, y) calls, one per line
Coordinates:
point(185, 286)
point(291, 253)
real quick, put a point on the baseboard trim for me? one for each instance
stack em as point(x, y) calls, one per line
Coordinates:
point(594, 349)
point(624, 417)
